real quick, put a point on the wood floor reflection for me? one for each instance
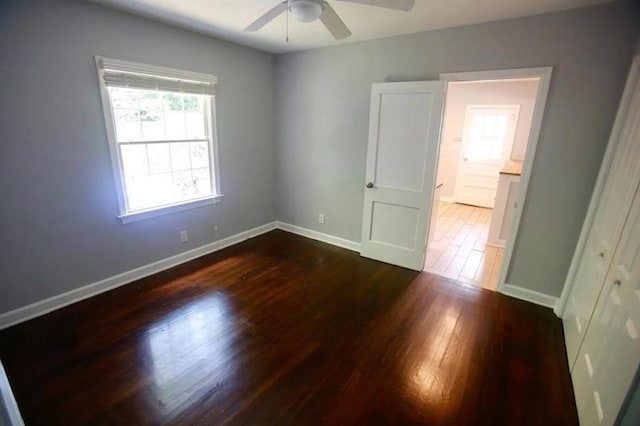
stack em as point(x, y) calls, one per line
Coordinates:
point(282, 330)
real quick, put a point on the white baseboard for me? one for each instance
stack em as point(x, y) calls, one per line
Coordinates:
point(529, 295)
point(42, 307)
point(446, 199)
point(319, 236)
point(557, 309)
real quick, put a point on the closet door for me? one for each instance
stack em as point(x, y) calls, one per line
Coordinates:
point(606, 229)
point(610, 354)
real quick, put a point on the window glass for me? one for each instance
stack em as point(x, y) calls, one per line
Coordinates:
point(164, 146)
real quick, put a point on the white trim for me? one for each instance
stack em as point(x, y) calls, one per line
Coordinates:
point(544, 74)
point(502, 80)
point(492, 75)
point(446, 199)
point(8, 400)
point(320, 236)
point(42, 307)
point(173, 208)
point(614, 139)
point(529, 295)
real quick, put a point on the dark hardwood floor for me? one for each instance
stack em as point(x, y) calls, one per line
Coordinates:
point(282, 330)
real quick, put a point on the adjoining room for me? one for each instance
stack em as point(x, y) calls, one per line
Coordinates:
point(485, 134)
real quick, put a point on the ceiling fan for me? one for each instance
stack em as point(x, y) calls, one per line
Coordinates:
point(310, 10)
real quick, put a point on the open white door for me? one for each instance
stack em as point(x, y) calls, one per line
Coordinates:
point(404, 132)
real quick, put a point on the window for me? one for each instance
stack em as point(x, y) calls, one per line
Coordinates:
point(488, 134)
point(160, 124)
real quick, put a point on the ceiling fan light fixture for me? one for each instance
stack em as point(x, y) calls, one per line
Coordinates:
point(306, 10)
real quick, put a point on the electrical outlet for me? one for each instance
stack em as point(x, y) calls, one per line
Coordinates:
point(183, 236)
point(321, 218)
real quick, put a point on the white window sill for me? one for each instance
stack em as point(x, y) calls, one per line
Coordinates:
point(161, 211)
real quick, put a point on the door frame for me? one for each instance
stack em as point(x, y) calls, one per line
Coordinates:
point(465, 135)
point(543, 74)
point(612, 144)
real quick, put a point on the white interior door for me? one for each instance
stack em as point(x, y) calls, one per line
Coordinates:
point(605, 232)
point(404, 132)
point(610, 354)
point(486, 147)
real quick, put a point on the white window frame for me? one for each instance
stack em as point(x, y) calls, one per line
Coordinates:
point(116, 161)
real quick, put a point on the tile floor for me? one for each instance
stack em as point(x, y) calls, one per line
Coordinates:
point(459, 247)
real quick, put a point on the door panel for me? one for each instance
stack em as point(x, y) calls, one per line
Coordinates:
point(486, 147)
point(606, 229)
point(394, 225)
point(401, 140)
point(610, 354)
point(404, 132)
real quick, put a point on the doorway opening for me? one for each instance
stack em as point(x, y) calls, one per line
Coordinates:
point(487, 144)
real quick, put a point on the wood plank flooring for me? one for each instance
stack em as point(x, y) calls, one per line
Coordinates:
point(459, 247)
point(283, 330)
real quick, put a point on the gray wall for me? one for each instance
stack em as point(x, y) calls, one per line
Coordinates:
point(323, 114)
point(58, 225)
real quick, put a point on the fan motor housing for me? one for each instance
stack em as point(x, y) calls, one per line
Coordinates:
point(306, 10)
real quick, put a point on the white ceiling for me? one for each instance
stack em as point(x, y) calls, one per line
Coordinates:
point(226, 19)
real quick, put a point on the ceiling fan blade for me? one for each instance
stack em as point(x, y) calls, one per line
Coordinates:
point(334, 24)
point(405, 5)
point(267, 17)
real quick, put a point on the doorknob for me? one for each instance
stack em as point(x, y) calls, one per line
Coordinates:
point(601, 254)
point(617, 282)
point(370, 185)
point(465, 159)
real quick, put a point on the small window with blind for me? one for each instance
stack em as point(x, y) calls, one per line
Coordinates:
point(161, 130)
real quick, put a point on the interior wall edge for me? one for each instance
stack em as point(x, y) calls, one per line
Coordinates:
point(530, 296)
point(320, 236)
point(42, 307)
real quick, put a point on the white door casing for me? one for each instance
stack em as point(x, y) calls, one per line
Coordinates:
point(608, 222)
point(543, 75)
point(404, 134)
point(489, 131)
point(610, 355)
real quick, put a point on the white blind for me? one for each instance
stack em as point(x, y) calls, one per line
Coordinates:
point(127, 74)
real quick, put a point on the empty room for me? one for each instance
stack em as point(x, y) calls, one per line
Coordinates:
point(309, 212)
